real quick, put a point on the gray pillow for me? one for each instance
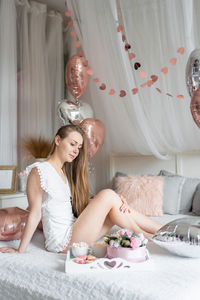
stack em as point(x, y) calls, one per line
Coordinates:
point(117, 174)
point(188, 191)
point(196, 201)
point(172, 192)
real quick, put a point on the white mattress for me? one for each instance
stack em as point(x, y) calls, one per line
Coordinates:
point(39, 274)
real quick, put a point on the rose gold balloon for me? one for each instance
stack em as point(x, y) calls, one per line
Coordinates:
point(77, 78)
point(195, 107)
point(95, 131)
point(12, 223)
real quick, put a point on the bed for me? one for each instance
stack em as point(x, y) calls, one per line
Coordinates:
point(38, 274)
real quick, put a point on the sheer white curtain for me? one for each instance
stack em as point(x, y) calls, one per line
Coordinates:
point(8, 83)
point(148, 122)
point(40, 71)
point(55, 63)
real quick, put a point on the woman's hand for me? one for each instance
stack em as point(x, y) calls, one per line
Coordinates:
point(124, 207)
point(9, 250)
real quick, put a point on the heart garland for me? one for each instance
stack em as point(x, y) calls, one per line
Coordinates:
point(137, 65)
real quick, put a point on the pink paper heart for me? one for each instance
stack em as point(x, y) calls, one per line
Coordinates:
point(149, 83)
point(73, 33)
point(154, 78)
point(173, 61)
point(77, 44)
point(111, 92)
point(96, 80)
point(123, 38)
point(180, 96)
point(131, 55)
point(68, 13)
point(134, 91)
point(181, 50)
point(120, 28)
point(102, 86)
point(143, 75)
point(122, 93)
point(127, 46)
point(157, 89)
point(70, 23)
point(168, 94)
point(164, 70)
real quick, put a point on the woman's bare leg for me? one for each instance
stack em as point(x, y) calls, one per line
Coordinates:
point(91, 222)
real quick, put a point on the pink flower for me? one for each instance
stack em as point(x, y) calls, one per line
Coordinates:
point(135, 242)
point(128, 233)
point(122, 232)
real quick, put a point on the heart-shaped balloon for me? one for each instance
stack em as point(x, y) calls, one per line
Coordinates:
point(12, 223)
point(77, 77)
point(69, 111)
point(195, 107)
point(95, 131)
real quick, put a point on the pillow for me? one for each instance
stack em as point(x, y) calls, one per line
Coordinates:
point(143, 193)
point(188, 191)
point(196, 201)
point(173, 187)
point(117, 174)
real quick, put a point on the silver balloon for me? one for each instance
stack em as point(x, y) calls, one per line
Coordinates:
point(181, 237)
point(69, 111)
point(193, 71)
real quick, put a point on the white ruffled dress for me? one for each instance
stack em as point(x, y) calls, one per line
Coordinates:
point(57, 215)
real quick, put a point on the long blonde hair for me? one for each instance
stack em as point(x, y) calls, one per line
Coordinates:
point(76, 171)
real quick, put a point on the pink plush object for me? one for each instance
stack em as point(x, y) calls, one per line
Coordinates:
point(142, 193)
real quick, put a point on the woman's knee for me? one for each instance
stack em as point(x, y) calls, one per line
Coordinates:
point(108, 195)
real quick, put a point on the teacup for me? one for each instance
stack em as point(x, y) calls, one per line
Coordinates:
point(79, 249)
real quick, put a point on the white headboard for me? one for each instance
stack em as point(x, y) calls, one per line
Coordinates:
point(187, 164)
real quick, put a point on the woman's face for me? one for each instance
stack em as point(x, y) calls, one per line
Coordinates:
point(68, 148)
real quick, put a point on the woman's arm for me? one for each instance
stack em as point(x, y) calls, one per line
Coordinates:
point(34, 195)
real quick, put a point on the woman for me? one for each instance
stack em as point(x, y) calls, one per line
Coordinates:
point(58, 191)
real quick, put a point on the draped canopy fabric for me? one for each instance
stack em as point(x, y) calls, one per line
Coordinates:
point(40, 71)
point(31, 75)
point(148, 122)
point(8, 84)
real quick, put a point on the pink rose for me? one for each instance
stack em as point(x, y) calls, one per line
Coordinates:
point(128, 233)
point(135, 242)
point(122, 232)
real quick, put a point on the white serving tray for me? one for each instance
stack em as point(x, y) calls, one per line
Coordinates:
point(106, 264)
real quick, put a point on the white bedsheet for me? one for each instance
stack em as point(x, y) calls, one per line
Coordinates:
point(39, 274)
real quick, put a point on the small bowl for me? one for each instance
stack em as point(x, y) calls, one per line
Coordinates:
point(99, 249)
point(79, 249)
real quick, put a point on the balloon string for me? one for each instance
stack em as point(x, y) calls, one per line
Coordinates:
point(137, 65)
